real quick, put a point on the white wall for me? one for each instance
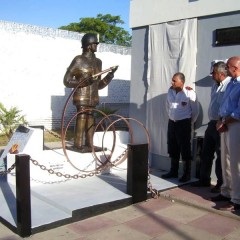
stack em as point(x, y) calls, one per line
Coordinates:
point(156, 11)
point(33, 62)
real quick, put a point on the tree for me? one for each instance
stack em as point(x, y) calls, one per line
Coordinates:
point(105, 26)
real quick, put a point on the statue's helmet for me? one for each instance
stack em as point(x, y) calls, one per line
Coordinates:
point(89, 38)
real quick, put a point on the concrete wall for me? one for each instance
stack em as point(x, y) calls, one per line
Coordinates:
point(138, 91)
point(207, 52)
point(33, 62)
point(155, 11)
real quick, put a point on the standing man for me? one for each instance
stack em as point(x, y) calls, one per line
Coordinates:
point(81, 70)
point(182, 108)
point(229, 126)
point(211, 142)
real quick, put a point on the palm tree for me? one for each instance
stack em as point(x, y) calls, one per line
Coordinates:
point(10, 120)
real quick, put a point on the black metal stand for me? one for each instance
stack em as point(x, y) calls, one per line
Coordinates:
point(23, 195)
point(137, 172)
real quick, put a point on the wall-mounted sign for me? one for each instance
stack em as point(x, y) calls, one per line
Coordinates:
point(227, 36)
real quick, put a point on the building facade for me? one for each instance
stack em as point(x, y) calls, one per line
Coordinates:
point(174, 36)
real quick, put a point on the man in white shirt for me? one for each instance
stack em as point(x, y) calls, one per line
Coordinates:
point(182, 108)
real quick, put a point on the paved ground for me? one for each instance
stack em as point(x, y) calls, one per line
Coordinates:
point(182, 213)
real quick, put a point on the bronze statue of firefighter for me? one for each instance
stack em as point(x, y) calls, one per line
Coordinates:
point(84, 73)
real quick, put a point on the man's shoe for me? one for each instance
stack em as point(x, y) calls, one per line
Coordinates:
point(236, 206)
point(169, 175)
point(230, 207)
point(216, 189)
point(184, 178)
point(200, 184)
point(219, 198)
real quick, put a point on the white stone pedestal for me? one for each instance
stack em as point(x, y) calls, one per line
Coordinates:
point(72, 164)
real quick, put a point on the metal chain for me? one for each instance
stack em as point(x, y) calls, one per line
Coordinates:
point(68, 176)
point(8, 170)
point(121, 157)
point(154, 192)
point(49, 182)
point(59, 174)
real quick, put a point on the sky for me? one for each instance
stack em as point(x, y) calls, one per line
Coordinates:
point(57, 13)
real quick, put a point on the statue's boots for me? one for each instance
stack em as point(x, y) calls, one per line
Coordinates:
point(173, 173)
point(186, 171)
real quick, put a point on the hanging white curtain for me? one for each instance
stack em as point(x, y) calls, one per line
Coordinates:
point(172, 48)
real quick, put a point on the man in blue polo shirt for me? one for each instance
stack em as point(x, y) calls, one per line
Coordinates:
point(229, 126)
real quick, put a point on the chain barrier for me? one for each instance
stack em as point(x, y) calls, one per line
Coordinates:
point(103, 165)
point(8, 170)
point(153, 192)
point(66, 175)
point(49, 182)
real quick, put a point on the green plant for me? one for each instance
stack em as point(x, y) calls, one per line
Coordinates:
point(10, 120)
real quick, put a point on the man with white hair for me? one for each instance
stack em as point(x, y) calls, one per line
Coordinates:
point(229, 126)
point(211, 142)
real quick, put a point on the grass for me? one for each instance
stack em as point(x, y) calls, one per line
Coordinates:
point(55, 136)
point(3, 140)
point(52, 136)
point(49, 136)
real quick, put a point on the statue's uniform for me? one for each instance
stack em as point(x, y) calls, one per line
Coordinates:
point(81, 70)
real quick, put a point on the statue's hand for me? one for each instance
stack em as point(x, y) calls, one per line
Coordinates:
point(114, 69)
point(92, 79)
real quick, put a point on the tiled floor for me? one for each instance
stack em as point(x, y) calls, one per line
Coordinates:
point(156, 219)
point(180, 213)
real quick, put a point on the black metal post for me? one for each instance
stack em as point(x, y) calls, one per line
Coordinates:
point(137, 172)
point(23, 195)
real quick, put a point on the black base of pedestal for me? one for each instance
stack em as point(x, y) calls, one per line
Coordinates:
point(137, 173)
